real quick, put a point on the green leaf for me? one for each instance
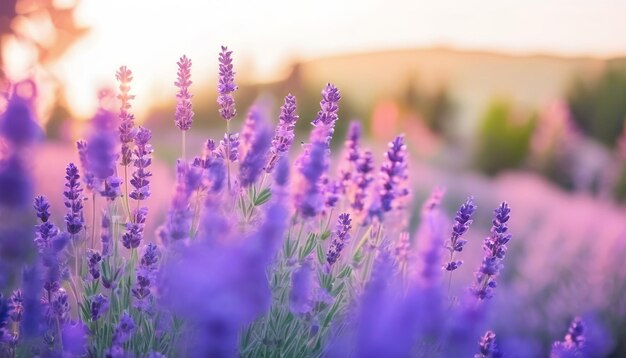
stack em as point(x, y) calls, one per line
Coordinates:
point(262, 197)
point(308, 247)
point(320, 255)
point(333, 310)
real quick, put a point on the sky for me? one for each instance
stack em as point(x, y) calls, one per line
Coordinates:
point(150, 35)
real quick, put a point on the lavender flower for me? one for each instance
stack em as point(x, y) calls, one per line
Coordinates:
point(141, 176)
point(254, 122)
point(229, 147)
point(93, 263)
point(18, 124)
point(252, 164)
point(312, 165)
point(456, 243)
point(332, 191)
point(494, 247)
point(574, 341)
point(45, 231)
point(88, 177)
point(112, 187)
point(98, 306)
point(393, 175)
point(134, 230)
point(340, 237)
point(59, 307)
point(15, 183)
point(362, 179)
point(127, 126)
point(488, 346)
point(101, 151)
point(42, 208)
point(326, 118)
point(209, 154)
point(226, 85)
point(184, 113)
point(75, 339)
point(146, 276)
point(124, 329)
point(284, 134)
point(105, 234)
point(430, 239)
point(74, 219)
point(299, 296)
point(178, 222)
point(352, 154)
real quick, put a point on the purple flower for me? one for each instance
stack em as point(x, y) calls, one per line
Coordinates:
point(127, 126)
point(352, 154)
point(75, 339)
point(141, 176)
point(98, 306)
point(255, 120)
point(208, 155)
point(105, 234)
point(59, 307)
point(573, 343)
point(74, 219)
point(312, 165)
point(494, 247)
point(281, 175)
point(463, 220)
point(332, 191)
point(15, 183)
point(229, 147)
point(178, 222)
point(88, 177)
point(488, 346)
point(145, 276)
point(124, 329)
point(252, 164)
point(45, 231)
point(18, 125)
point(151, 256)
point(430, 238)
point(300, 294)
point(394, 174)
point(134, 230)
point(226, 85)
point(340, 237)
point(93, 262)
point(102, 148)
point(42, 208)
point(362, 179)
point(111, 188)
point(327, 116)
point(284, 134)
point(184, 112)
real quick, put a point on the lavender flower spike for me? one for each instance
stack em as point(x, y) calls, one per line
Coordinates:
point(488, 346)
point(394, 173)
point(126, 128)
point(362, 179)
point(351, 156)
point(135, 229)
point(456, 243)
point(88, 177)
point(124, 330)
point(340, 238)
point(141, 176)
point(284, 136)
point(326, 118)
point(495, 248)
point(252, 165)
point(184, 113)
point(226, 85)
point(74, 219)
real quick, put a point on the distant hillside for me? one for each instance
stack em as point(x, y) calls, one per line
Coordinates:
point(472, 77)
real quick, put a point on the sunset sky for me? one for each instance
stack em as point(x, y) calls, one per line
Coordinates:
point(149, 36)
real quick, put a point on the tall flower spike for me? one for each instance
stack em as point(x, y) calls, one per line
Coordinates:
point(252, 165)
point(351, 156)
point(463, 220)
point(340, 237)
point(312, 165)
point(229, 147)
point(184, 112)
point(135, 229)
point(494, 247)
point(127, 124)
point(327, 116)
point(284, 134)
point(253, 122)
point(105, 234)
point(362, 179)
point(141, 176)
point(488, 346)
point(226, 85)
point(88, 177)
point(74, 219)
point(394, 174)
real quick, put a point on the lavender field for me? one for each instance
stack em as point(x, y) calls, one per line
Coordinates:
point(337, 211)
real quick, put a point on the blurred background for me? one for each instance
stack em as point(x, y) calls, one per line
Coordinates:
point(523, 101)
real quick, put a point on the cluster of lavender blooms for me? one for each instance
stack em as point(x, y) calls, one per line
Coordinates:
point(255, 257)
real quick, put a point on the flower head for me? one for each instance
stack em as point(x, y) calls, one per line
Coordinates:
point(88, 177)
point(134, 230)
point(184, 112)
point(393, 175)
point(340, 237)
point(98, 306)
point(284, 134)
point(252, 164)
point(488, 346)
point(463, 220)
point(141, 175)
point(127, 126)
point(226, 85)
point(327, 116)
point(124, 329)
point(573, 343)
point(74, 219)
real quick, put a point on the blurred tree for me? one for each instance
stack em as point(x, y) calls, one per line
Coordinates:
point(502, 143)
point(435, 108)
point(599, 107)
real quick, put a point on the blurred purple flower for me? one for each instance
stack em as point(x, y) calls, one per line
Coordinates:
point(88, 177)
point(93, 263)
point(229, 147)
point(300, 294)
point(226, 85)
point(75, 339)
point(124, 330)
point(102, 146)
point(488, 346)
point(105, 234)
point(135, 229)
point(312, 165)
point(15, 183)
point(255, 120)
point(16, 305)
point(284, 134)
point(18, 124)
point(184, 113)
point(393, 175)
point(252, 164)
point(351, 157)
point(573, 344)
point(98, 306)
